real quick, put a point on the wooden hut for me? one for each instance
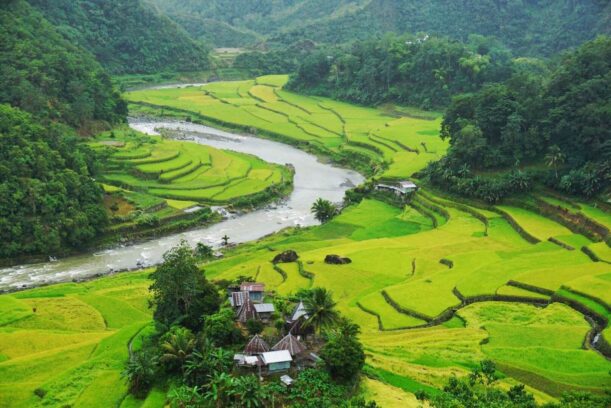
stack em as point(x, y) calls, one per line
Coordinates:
point(247, 312)
point(256, 345)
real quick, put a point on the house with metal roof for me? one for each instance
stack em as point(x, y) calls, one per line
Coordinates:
point(401, 188)
point(255, 290)
point(236, 299)
point(300, 311)
point(265, 310)
point(276, 361)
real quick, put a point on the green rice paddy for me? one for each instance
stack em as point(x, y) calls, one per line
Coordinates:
point(405, 142)
point(184, 172)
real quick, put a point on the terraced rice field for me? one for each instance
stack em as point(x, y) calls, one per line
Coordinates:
point(432, 300)
point(184, 172)
point(404, 141)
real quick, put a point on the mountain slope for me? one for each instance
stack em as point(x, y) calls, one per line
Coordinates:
point(125, 36)
point(46, 75)
point(537, 27)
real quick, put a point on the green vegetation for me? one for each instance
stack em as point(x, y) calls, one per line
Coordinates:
point(50, 203)
point(556, 119)
point(125, 36)
point(46, 75)
point(518, 25)
point(418, 70)
point(150, 168)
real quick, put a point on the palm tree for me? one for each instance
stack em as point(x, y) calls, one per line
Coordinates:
point(219, 389)
point(140, 372)
point(320, 308)
point(178, 347)
point(554, 158)
point(323, 210)
point(248, 392)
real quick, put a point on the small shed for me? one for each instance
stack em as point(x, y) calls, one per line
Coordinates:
point(276, 361)
point(265, 310)
point(255, 290)
point(247, 312)
point(256, 345)
point(291, 344)
point(401, 188)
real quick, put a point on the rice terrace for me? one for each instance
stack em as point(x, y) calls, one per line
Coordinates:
point(454, 249)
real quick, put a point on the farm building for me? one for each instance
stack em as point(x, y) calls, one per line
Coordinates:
point(255, 290)
point(276, 361)
point(265, 310)
point(256, 345)
point(401, 188)
point(291, 344)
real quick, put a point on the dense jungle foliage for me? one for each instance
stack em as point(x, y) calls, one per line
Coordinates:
point(540, 27)
point(561, 119)
point(126, 36)
point(44, 74)
point(49, 200)
point(415, 70)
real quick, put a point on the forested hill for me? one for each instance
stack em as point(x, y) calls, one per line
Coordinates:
point(126, 36)
point(535, 27)
point(46, 75)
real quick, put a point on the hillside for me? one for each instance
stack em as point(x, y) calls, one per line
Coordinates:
point(44, 74)
point(567, 23)
point(125, 36)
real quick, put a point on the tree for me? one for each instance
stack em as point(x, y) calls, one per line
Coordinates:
point(177, 346)
point(323, 210)
point(320, 308)
point(181, 293)
point(220, 328)
point(141, 371)
point(219, 389)
point(185, 397)
point(554, 158)
point(343, 354)
point(254, 326)
point(205, 362)
point(203, 251)
point(247, 392)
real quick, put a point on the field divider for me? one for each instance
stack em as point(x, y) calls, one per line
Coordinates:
point(560, 244)
point(372, 137)
point(461, 207)
point(282, 272)
point(294, 105)
point(590, 254)
point(404, 310)
point(517, 227)
point(371, 312)
point(306, 274)
point(530, 288)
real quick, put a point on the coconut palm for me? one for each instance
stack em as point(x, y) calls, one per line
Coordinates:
point(323, 210)
point(247, 392)
point(178, 347)
point(320, 309)
point(219, 389)
point(554, 158)
point(140, 372)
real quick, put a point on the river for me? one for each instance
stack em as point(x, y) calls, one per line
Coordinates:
point(313, 179)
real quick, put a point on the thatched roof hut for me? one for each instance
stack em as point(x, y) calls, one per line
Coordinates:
point(290, 344)
point(247, 311)
point(256, 345)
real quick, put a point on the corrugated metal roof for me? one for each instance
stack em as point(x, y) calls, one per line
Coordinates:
point(281, 356)
point(252, 287)
point(265, 308)
point(237, 298)
point(300, 311)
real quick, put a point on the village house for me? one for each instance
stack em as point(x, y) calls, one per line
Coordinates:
point(402, 188)
point(247, 311)
point(265, 311)
point(255, 290)
point(276, 361)
point(291, 344)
